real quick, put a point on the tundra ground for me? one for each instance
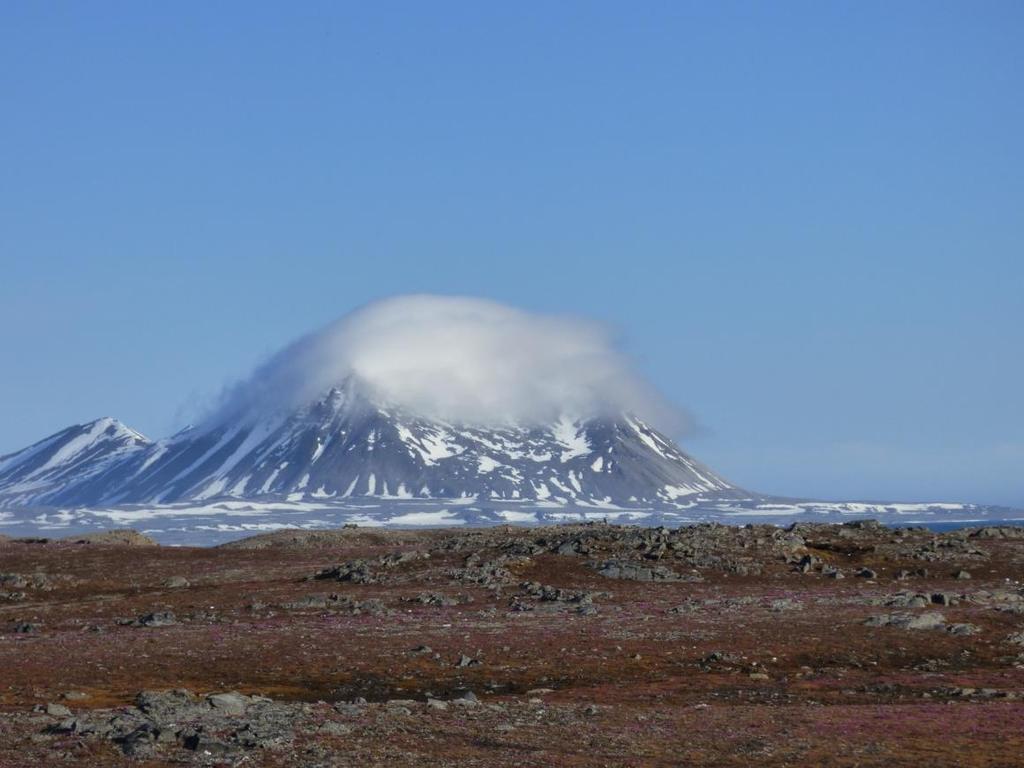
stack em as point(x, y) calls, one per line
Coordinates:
point(593, 645)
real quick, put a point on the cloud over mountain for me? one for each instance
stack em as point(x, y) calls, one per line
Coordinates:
point(460, 359)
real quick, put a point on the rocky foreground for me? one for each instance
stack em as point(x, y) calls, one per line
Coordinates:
point(595, 645)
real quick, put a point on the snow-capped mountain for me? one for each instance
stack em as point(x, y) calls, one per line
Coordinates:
point(346, 445)
point(72, 458)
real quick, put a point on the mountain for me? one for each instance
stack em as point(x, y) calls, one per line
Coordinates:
point(72, 458)
point(347, 445)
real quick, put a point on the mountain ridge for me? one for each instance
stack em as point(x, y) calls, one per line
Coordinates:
point(346, 445)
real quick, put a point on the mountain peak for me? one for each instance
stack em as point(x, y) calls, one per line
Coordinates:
point(61, 463)
point(349, 444)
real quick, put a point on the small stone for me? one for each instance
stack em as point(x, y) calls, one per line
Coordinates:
point(963, 629)
point(331, 728)
point(157, 619)
point(176, 582)
point(57, 710)
point(962, 574)
point(437, 704)
point(468, 699)
point(229, 703)
point(206, 745)
point(930, 620)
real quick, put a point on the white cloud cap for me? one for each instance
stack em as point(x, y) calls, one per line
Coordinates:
point(460, 359)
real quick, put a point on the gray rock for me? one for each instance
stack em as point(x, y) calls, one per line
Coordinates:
point(57, 710)
point(139, 742)
point(157, 619)
point(963, 629)
point(468, 699)
point(231, 703)
point(618, 569)
point(930, 620)
point(355, 571)
point(331, 728)
point(206, 745)
point(167, 705)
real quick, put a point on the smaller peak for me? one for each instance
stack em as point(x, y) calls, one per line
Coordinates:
point(102, 421)
point(114, 426)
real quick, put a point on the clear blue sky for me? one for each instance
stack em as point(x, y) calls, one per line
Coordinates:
point(806, 219)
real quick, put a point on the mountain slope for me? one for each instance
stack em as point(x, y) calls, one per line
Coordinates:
point(345, 445)
point(63, 463)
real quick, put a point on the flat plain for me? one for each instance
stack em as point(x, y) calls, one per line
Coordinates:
point(574, 645)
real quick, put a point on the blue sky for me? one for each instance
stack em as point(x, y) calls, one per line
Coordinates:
point(805, 219)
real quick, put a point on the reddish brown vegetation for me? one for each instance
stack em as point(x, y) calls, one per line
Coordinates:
point(769, 668)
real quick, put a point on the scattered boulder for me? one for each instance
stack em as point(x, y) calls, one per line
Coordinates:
point(355, 571)
point(963, 629)
point(999, 532)
point(232, 703)
point(931, 620)
point(123, 537)
point(57, 710)
point(156, 619)
point(335, 603)
point(629, 571)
